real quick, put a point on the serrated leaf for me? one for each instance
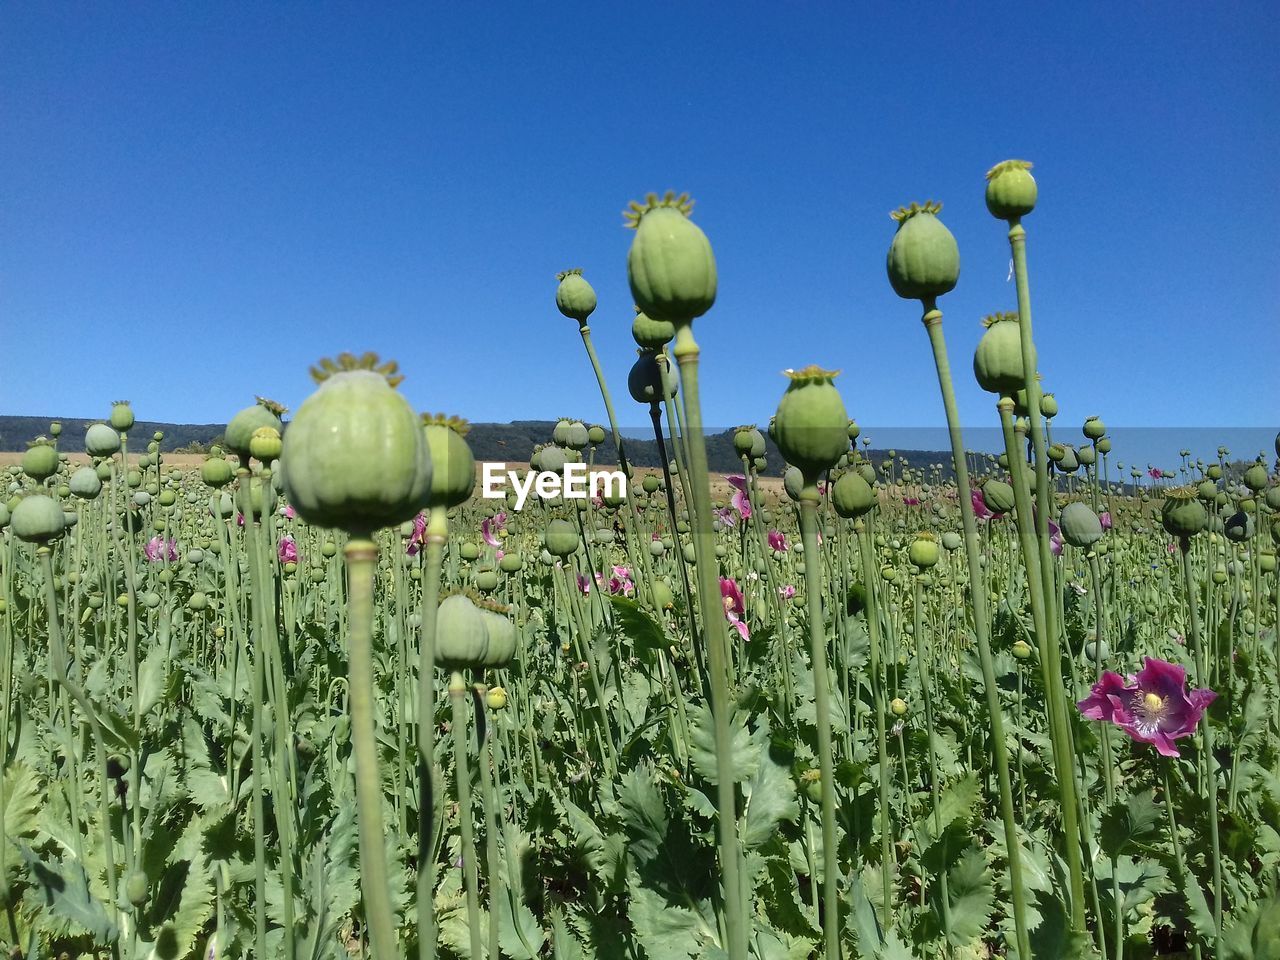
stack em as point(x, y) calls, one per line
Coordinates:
point(744, 749)
point(643, 812)
point(955, 804)
point(636, 624)
point(971, 897)
point(1130, 824)
point(63, 890)
point(771, 799)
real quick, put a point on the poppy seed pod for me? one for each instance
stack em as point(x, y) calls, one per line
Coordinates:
point(264, 413)
point(38, 519)
point(85, 483)
point(595, 434)
point(561, 538)
point(1048, 405)
point(40, 462)
point(216, 472)
point(356, 457)
point(574, 296)
point(1255, 478)
point(923, 552)
point(650, 334)
point(1080, 525)
point(1183, 515)
point(998, 496)
point(101, 440)
point(265, 445)
point(851, 495)
point(924, 260)
point(650, 381)
point(670, 266)
point(453, 467)
point(811, 424)
point(997, 361)
point(1094, 429)
point(121, 415)
point(1011, 190)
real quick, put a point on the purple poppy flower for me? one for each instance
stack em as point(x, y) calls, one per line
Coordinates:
point(158, 547)
point(980, 508)
point(777, 541)
point(740, 501)
point(734, 606)
point(1152, 707)
point(1105, 519)
point(726, 516)
point(911, 501)
point(418, 538)
point(287, 550)
point(786, 591)
point(491, 526)
point(621, 581)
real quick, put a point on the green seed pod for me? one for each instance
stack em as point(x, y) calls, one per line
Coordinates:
point(40, 462)
point(502, 639)
point(495, 698)
point(453, 467)
point(101, 440)
point(923, 552)
point(1095, 651)
point(121, 416)
point(662, 596)
point(1068, 462)
point(650, 381)
point(1080, 525)
point(265, 445)
point(951, 540)
point(1086, 456)
point(670, 266)
point(1104, 445)
point(997, 362)
point(574, 296)
point(595, 434)
point(511, 562)
point(1182, 514)
point(1238, 527)
point(1255, 478)
point(650, 334)
point(793, 482)
point(468, 550)
point(811, 424)
point(216, 472)
point(561, 538)
point(650, 484)
point(899, 707)
point(924, 260)
point(1094, 429)
point(462, 635)
point(355, 455)
point(854, 430)
point(1048, 405)
point(998, 496)
point(1273, 496)
point(85, 483)
point(487, 580)
point(135, 889)
point(852, 496)
point(38, 519)
point(1011, 190)
point(1021, 650)
point(264, 413)
point(103, 470)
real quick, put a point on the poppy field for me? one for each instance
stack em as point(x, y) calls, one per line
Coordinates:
point(318, 698)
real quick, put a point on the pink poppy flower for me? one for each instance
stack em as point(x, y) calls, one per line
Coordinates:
point(726, 516)
point(734, 606)
point(980, 508)
point(911, 501)
point(287, 550)
point(777, 541)
point(1055, 539)
point(786, 591)
point(417, 539)
point(1153, 707)
point(289, 512)
point(1105, 519)
point(740, 500)
point(621, 581)
point(490, 527)
point(1155, 473)
point(158, 547)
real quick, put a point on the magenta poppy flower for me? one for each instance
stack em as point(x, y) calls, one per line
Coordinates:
point(980, 508)
point(491, 526)
point(1105, 519)
point(786, 591)
point(1055, 539)
point(418, 538)
point(287, 550)
point(1152, 707)
point(621, 581)
point(740, 501)
point(158, 547)
point(911, 501)
point(777, 541)
point(726, 516)
point(1155, 473)
point(734, 606)
point(289, 512)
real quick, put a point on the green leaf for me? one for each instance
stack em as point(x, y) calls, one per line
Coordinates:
point(771, 799)
point(668, 931)
point(744, 749)
point(640, 628)
point(1198, 913)
point(63, 890)
point(955, 804)
point(643, 812)
point(1130, 824)
point(971, 896)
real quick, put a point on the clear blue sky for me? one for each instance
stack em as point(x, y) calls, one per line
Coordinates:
point(199, 200)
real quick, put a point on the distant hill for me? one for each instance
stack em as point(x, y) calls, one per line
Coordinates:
point(512, 442)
